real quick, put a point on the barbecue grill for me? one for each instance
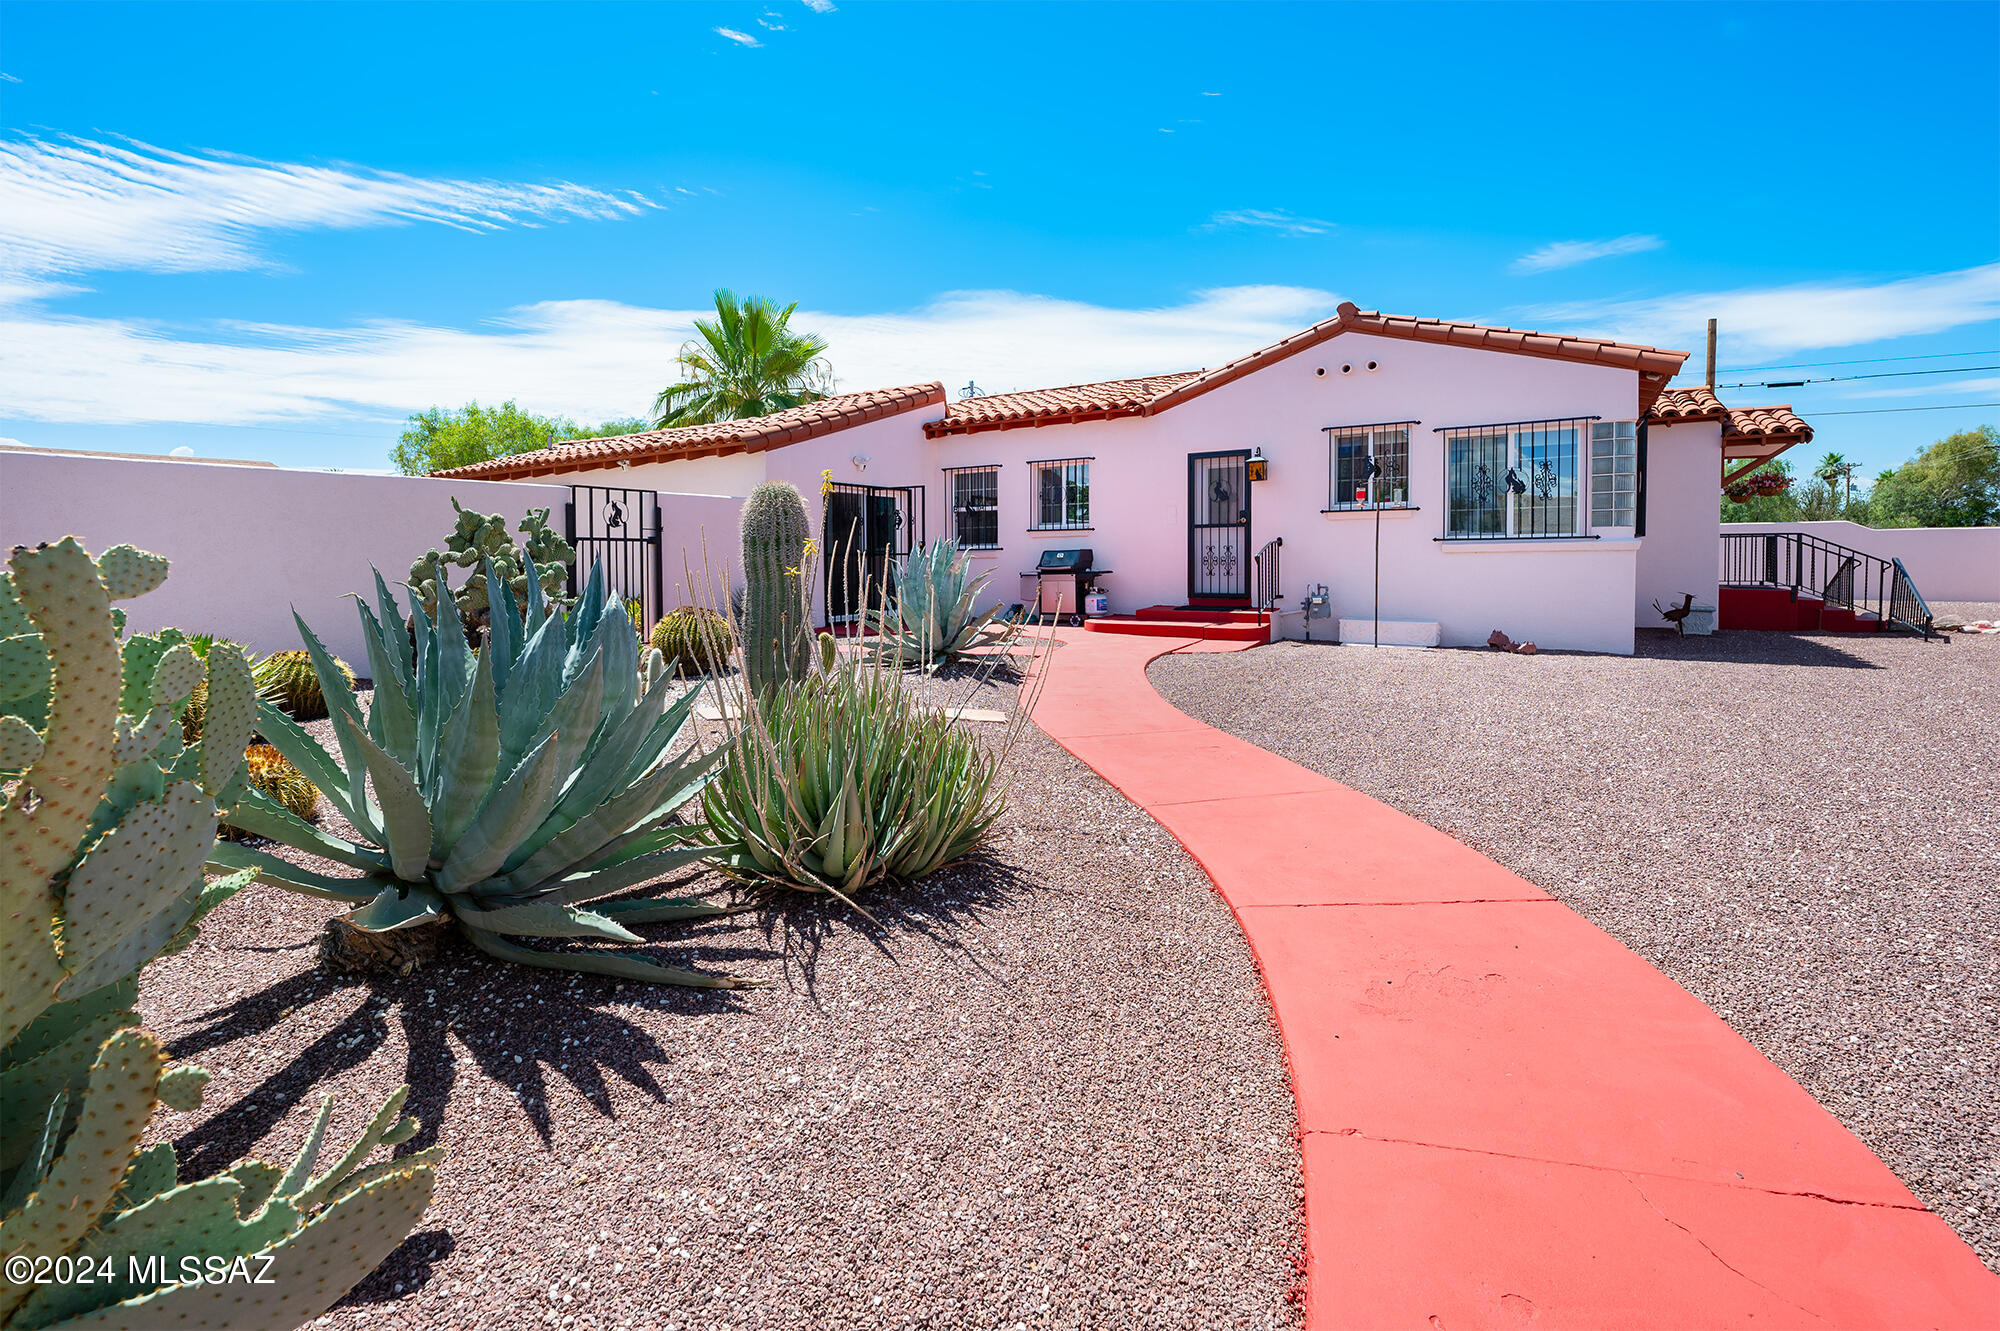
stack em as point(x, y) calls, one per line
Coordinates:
point(1062, 579)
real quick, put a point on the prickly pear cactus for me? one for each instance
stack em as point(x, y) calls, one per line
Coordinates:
point(482, 536)
point(777, 637)
point(104, 825)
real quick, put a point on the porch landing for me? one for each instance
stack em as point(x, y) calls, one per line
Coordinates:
point(1506, 1115)
point(1168, 621)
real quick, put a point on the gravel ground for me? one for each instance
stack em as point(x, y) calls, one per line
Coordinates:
point(1802, 830)
point(1045, 1092)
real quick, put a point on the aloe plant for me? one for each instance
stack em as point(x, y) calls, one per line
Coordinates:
point(504, 789)
point(935, 617)
point(846, 779)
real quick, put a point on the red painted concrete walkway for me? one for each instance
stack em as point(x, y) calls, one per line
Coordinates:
point(1509, 1118)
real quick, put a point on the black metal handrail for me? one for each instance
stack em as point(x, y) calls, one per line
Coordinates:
point(1269, 572)
point(1837, 574)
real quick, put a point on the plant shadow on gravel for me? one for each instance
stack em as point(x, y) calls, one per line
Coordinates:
point(520, 1025)
point(408, 1269)
point(935, 910)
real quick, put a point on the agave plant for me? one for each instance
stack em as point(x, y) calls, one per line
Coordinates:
point(934, 619)
point(512, 786)
point(846, 779)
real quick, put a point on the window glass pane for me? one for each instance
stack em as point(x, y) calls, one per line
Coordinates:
point(1475, 467)
point(1078, 494)
point(975, 507)
point(1349, 453)
point(1614, 474)
point(1392, 456)
point(1544, 482)
point(1049, 496)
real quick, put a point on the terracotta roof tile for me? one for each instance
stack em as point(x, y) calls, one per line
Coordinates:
point(1654, 365)
point(1770, 423)
point(1055, 406)
point(754, 435)
point(1696, 403)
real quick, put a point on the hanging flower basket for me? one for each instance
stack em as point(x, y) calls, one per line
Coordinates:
point(1739, 492)
point(1770, 483)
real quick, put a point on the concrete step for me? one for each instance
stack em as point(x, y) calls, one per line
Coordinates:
point(1200, 615)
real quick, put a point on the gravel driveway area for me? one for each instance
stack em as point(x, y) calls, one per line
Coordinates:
point(1804, 831)
point(1045, 1092)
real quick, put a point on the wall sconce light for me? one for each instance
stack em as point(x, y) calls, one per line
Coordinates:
point(860, 461)
point(1259, 466)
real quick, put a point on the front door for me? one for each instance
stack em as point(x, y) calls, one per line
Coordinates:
point(1219, 527)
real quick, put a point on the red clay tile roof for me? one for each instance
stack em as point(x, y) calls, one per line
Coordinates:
point(755, 435)
point(1055, 406)
point(1156, 393)
point(1770, 423)
point(1698, 403)
point(1655, 366)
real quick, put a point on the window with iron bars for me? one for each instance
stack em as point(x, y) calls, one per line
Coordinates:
point(975, 507)
point(1349, 449)
point(1515, 481)
point(1061, 494)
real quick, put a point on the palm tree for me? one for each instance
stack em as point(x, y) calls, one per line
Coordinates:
point(746, 363)
point(1834, 468)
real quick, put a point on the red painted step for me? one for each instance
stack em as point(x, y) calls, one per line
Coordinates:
point(1213, 629)
point(1839, 619)
point(1198, 615)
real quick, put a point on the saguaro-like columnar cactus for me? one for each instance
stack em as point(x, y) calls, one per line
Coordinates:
point(777, 639)
point(102, 836)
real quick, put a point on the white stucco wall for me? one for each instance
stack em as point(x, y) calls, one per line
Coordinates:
point(248, 544)
point(1683, 518)
point(1946, 563)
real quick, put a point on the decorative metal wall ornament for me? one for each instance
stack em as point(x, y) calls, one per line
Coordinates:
point(1484, 490)
point(1545, 480)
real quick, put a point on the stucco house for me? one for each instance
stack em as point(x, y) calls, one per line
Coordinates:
point(1552, 487)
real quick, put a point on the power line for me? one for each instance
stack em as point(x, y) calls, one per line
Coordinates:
point(1843, 378)
point(1866, 360)
point(1883, 411)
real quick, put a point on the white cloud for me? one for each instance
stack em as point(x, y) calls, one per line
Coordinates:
point(740, 38)
point(10, 78)
point(76, 205)
point(593, 360)
point(1768, 322)
point(1274, 219)
point(820, 6)
point(1567, 253)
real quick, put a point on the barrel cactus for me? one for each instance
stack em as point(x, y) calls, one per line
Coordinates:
point(106, 818)
point(694, 641)
point(777, 632)
point(504, 789)
point(287, 679)
point(935, 618)
point(271, 772)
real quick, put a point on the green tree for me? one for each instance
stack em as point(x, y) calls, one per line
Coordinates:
point(747, 362)
point(1953, 483)
point(438, 439)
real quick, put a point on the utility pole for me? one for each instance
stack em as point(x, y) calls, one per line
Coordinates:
point(1711, 355)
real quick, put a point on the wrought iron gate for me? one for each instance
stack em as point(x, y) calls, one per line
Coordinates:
point(621, 529)
point(1219, 526)
point(868, 531)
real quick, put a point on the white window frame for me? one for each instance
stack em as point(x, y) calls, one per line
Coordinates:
point(1075, 473)
point(1376, 435)
point(1510, 503)
point(958, 510)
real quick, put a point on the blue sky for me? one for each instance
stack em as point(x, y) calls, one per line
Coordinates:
point(274, 230)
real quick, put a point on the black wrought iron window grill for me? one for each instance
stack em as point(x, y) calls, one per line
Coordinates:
point(975, 506)
point(1059, 497)
point(1351, 482)
point(1513, 481)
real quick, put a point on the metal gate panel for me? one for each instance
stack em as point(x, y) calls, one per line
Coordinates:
point(869, 531)
point(1219, 526)
point(619, 528)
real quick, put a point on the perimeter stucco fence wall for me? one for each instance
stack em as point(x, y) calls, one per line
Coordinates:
point(1946, 563)
point(250, 544)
